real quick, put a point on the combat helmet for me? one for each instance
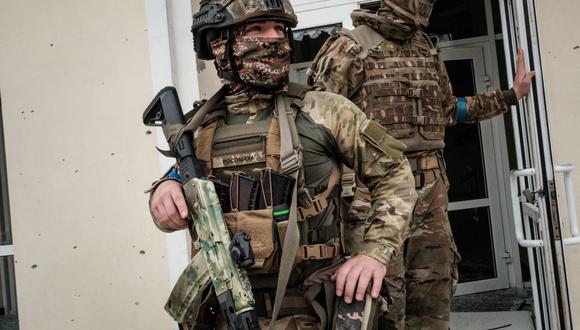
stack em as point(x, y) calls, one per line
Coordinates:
point(216, 18)
point(418, 11)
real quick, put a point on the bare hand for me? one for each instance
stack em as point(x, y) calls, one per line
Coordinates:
point(359, 270)
point(523, 79)
point(168, 205)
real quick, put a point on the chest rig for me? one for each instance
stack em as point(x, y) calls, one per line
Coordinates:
point(274, 143)
point(401, 88)
point(250, 147)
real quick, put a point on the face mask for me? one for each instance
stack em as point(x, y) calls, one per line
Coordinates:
point(262, 62)
point(416, 12)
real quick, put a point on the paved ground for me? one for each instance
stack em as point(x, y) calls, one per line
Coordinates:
point(512, 299)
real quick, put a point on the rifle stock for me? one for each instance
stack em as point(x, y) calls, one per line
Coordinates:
point(231, 285)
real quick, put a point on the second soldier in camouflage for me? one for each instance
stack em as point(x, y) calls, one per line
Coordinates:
point(392, 70)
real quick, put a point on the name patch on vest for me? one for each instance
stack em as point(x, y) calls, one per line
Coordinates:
point(238, 159)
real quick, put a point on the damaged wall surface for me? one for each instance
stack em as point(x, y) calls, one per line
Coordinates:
point(75, 79)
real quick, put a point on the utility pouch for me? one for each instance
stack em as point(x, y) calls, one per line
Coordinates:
point(281, 227)
point(259, 225)
point(186, 297)
point(321, 295)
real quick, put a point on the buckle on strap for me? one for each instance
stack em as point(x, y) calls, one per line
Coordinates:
point(414, 93)
point(348, 184)
point(319, 204)
point(429, 163)
point(292, 162)
point(319, 251)
point(419, 120)
point(419, 179)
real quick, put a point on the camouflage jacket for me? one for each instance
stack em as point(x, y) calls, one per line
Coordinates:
point(339, 69)
point(334, 131)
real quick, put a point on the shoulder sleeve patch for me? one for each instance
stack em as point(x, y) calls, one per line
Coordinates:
point(378, 136)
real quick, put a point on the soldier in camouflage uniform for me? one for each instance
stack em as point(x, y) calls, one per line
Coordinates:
point(392, 71)
point(242, 132)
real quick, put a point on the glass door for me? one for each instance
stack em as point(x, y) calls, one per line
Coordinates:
point(474, 209)
point(535, 202)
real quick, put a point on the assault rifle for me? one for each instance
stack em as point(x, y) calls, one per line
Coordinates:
point(223, 258)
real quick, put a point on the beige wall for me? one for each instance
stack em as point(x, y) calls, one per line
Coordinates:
point(75, 78)
point(560, 40)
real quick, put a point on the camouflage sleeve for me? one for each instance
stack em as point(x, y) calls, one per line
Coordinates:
point(378, 161)
point(471, 109)
point(337, 68)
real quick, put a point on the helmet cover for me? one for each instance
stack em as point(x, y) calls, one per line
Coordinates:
point(215, 16)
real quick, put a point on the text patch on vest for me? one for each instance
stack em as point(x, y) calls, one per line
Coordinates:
point(238, 159)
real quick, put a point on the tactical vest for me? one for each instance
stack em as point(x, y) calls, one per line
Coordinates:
point(248, 148)
point(401, 88)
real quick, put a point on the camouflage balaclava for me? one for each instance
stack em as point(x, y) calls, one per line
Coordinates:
point(396, 19)
point(260, 63)
point(411, 12)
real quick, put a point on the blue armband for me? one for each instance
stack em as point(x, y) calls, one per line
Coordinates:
point(173, 174)
point(461, 110)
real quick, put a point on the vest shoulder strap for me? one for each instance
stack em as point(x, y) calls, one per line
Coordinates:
point(207, 111)
point(296, 93)
point(366, 37)
point(196, 106)
point(296, 90)
point(423, 41)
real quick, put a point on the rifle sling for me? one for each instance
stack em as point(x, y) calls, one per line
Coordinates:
point(174, 132)
point(291, 162)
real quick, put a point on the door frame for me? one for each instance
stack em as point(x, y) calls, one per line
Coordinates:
point(542, 235)
point(476, 53)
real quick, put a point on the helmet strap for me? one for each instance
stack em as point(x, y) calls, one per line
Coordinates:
point(290, 41)
point(227, 36)
point(234, 75)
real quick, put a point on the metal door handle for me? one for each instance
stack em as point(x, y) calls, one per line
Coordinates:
point(566, 170)
point(530, 209)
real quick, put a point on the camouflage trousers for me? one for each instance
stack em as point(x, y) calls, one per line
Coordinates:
point(423, 278)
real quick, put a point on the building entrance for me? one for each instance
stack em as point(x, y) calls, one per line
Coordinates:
point(475, 206)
